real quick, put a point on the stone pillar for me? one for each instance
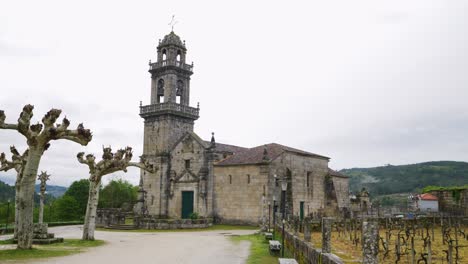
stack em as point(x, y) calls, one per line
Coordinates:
point(370, 238)
point(326, 234)
point(307, 231)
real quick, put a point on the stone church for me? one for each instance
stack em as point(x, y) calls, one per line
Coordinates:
point(232, 184)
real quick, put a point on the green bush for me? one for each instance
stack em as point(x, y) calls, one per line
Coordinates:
point(194, 216)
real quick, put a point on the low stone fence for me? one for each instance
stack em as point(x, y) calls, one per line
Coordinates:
point(304, 252)
point(110, 216)
point(155, 223)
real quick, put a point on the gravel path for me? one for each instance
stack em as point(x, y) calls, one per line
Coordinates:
point(159, 247)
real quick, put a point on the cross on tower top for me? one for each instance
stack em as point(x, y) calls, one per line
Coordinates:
point(173, 22)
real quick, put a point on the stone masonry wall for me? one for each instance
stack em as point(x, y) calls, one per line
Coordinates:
point(239, 201)
point(341, 185)
point(312, 195)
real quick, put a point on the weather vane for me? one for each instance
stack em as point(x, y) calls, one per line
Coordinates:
point(173, 22)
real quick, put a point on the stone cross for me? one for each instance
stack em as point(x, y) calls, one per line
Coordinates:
point(173, 22)
point(370, 239)
point(43, 177)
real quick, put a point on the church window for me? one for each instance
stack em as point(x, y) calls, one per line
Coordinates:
point(187, 164)
point(164, 55)
point(230, 179)
point(248, 178)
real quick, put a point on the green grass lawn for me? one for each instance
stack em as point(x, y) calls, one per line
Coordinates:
point(259, 249)
point(211, 228)
point(68, 247)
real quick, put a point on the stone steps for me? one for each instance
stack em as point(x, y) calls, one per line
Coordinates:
point(120, 227)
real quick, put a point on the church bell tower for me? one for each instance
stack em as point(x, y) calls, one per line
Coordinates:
point(167, 119)
point(169, 116)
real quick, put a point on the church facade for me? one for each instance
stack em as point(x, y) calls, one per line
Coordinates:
point(229, 183)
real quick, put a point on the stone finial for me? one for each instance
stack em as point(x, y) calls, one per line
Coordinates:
point(265, 154)
point(213, 141)
point(149, 62)
point(141, 103)
point(198, 105)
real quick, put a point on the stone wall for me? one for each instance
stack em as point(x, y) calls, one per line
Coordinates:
point(341, 185)
point(303, 251)
point(236, 200)
point(154, 223)
point(111, 216)
point(455, 202)
point(312, 195)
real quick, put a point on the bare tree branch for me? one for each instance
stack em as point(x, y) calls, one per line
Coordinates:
point(17, 160)
point(3, 124)
point(111, 163)
point(24, 121)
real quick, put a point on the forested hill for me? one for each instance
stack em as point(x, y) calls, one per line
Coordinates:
point(8, 192)
point(407, 178)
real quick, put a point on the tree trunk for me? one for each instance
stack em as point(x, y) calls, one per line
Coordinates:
point(90, 218)
point(17, 190)
point(41, 209)
point(26, 200)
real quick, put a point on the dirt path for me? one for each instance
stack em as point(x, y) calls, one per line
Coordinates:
point(164, 247)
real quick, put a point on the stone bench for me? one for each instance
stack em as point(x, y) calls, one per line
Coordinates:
point(287, 261)
point(275, 246)
point(268, 236)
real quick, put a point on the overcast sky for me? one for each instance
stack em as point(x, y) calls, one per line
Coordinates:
point(366, 83)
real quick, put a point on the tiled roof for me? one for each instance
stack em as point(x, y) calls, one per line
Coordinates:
point(336, 173)
point(255, 155)
point(220, 147)
point(428, 197)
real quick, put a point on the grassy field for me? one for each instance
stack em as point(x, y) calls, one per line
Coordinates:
point(211, 228)
point(68, 247)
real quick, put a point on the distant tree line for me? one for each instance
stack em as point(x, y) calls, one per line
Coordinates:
point(72, 205)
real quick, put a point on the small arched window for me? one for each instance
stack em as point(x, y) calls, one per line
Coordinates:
point(230, 179)
point(164, 56)
point(178, 55)
point(248, 178)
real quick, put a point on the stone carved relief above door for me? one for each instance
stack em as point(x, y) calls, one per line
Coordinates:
point(187, 145)
point(187, 176)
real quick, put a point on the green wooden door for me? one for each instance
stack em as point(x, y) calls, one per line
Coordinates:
point(302, 210)
point(187, 204)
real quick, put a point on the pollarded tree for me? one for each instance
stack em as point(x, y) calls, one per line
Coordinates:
point(110, 163)
point(17, 163)
point(38, 137)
